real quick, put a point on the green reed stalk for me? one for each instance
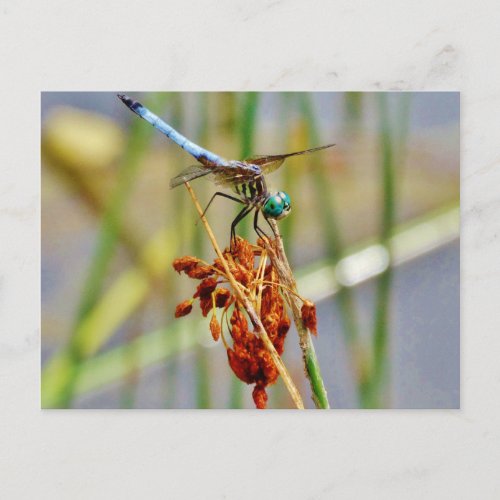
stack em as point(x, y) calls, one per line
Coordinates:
point(382, 303)
point(139, 139)
point(176, 206)
point(226, 119)
point(203, 377)
point(403, 123)
point(379, 376)
point(359, 354)
point(330, 227)
point(247, 132)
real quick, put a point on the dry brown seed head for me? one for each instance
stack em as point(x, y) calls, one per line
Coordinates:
point(200, 272)
point(184, 308)
point(243, 252)
point(185, 263)
point(205, 288)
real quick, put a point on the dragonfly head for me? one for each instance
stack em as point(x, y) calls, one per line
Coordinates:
point(277, 205)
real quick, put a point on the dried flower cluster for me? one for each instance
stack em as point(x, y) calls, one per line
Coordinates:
point(248, 357)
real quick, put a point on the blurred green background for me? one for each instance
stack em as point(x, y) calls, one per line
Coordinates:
point(373, 238)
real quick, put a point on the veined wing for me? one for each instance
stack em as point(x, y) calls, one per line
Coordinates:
point(235, 173)
point(238, 172)
point(270, 163)
point(189, 174)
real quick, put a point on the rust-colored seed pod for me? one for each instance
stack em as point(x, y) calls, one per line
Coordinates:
point(259, 397)
point(205, 288)
point(200, 272)
point(184, 308)
point(185, 263)
point(215, 328)
point(308, 313)
point(222, 296)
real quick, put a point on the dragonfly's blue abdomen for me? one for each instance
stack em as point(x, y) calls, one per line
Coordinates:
point(203, 155)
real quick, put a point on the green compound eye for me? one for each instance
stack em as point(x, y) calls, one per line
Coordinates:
point(277, 206)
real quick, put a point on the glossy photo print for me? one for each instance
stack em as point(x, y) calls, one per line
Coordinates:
point(270, 250)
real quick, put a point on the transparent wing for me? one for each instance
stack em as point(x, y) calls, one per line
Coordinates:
point(222, 176)
point(228, 177)
point(270, 163)
point(189, 174)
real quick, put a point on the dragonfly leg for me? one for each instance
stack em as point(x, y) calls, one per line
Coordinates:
point(260, 232)
point(246, 210)
point(218, 193)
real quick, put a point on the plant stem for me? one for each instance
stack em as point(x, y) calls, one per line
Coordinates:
point(382, 302)
point(393, 146)
point(353, 111)
point(203, 377)
point(254, 317)
point(313, 372)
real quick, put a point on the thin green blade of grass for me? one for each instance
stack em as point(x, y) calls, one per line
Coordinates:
point(403, 112)
point(247, 131)
point(383, 287)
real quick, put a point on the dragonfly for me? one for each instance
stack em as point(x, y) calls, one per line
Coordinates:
point(245, 178)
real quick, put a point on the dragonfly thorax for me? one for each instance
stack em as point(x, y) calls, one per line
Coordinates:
point(277, 205)
point(252, 191)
